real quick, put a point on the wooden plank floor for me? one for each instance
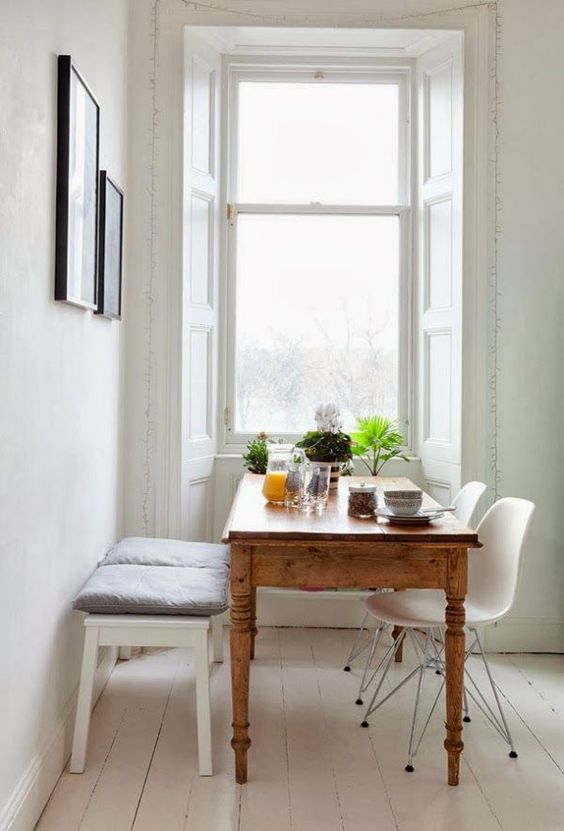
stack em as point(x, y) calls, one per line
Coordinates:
point(311, 766)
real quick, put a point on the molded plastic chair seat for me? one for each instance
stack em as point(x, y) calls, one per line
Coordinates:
point(466, 501)
point(424, 608)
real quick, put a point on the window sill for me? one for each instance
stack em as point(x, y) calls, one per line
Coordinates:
point(225, 456)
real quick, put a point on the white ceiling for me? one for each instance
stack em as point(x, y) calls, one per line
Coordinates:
point(260, 40)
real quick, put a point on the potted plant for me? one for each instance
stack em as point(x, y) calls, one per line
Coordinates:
point(256, 457)
point(328, 443)
point(377, 440)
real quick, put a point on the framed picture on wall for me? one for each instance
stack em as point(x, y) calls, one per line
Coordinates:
point(78, 139)
point(110, 248)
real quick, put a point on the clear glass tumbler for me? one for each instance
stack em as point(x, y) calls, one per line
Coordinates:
point(314, 486)
point(292, 485)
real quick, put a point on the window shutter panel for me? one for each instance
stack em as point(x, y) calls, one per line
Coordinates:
point(202, 66)
point(439, 83)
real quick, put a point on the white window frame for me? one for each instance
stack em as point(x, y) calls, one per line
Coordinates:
point(305, 70)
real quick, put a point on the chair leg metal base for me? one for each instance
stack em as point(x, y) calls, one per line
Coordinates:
point(432, 657)
point(359, 701)
point(347, 669)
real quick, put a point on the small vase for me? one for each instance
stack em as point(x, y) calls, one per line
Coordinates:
point(336, 468)
point(335, 474)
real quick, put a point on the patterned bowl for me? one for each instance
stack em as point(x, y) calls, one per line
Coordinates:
point(403, 503)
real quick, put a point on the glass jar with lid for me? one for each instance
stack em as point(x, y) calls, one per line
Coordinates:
point(362, 500)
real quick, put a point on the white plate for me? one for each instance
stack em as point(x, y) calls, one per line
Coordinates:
point(419, 518)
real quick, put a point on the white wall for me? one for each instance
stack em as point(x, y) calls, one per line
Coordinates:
point(60, 491)
point(523, 375)
point(530, 273)
point(143, 301)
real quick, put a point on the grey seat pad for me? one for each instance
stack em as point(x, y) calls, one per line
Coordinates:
point(155, 590)
point(162, 552)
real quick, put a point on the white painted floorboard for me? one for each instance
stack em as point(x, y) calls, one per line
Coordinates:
point(311, 767)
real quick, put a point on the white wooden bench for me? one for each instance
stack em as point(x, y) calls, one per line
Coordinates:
point(144, 630)
point(150, 592)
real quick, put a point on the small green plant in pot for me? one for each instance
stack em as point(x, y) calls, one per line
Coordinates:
point(256, 457)
point(377, 440)
point(328, 443)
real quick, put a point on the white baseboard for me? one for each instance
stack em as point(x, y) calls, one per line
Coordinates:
point(525, 634)
point(32, 792)
point(343, 610)
point(292, 607)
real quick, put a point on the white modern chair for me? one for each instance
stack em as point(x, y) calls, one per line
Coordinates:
point(465, 504)
point(493, 576)
point(466, 501)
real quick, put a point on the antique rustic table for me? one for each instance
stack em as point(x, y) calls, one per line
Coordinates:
point(276, 546)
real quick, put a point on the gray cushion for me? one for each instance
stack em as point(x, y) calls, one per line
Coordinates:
point(146, 551)
point(155, 590)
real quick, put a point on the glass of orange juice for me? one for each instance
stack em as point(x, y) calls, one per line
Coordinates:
point(274, 487)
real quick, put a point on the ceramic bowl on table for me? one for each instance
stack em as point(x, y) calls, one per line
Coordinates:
point(403, 503)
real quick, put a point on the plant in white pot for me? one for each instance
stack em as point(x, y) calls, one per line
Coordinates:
point(328, 443)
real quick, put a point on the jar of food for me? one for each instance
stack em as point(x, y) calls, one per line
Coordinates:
point(362, 500)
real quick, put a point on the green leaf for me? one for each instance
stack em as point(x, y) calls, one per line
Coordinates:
point(376, 440)
point(326, 447)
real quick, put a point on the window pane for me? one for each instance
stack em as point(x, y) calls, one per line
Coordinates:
point(316, 319)
point(318, 142)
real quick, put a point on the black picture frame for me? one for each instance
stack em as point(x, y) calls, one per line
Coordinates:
point(78, 154)
point(110, 247)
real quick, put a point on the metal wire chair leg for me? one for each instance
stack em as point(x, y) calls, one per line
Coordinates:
point(465, 707)
point(373, 647)
point(354, 653)
point(386, 662)
point(509, 738)
point(412, 748)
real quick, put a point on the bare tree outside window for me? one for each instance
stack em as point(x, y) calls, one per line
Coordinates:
point(317, 319)
point(315, 237)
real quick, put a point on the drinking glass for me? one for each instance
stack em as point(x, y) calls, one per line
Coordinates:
point(314, 486)
point(292, 485)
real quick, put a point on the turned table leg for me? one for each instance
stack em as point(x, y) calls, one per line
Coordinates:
point(454, 659)
point(241, 603)
point(254, 629)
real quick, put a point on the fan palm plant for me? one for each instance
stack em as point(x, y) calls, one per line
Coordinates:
point(377, 440)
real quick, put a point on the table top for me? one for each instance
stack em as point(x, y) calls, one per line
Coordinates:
point(252, 518)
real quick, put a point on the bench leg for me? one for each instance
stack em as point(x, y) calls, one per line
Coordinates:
point(84, 705)
point(124, 653)
point(217, 637)
point(203, 705)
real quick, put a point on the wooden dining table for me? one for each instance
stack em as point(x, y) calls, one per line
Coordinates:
point(274, 546)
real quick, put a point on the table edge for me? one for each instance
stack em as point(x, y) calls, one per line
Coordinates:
point(441, 540)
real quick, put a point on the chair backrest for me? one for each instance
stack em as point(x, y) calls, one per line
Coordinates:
point(493, 570)
point(466, 501)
